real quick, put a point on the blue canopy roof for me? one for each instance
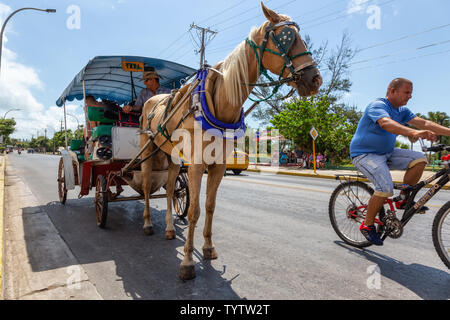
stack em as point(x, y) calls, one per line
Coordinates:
point(104, 78)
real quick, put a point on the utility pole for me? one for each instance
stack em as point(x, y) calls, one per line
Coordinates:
point(204, 32)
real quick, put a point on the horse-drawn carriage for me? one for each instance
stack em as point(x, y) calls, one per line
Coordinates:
point(207, 111)
point(115, 138)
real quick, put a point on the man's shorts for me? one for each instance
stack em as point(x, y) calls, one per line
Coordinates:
point(376, 167)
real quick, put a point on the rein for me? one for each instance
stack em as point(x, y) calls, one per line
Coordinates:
point(283, 41)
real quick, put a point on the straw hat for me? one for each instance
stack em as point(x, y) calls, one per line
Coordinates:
point(150, 74)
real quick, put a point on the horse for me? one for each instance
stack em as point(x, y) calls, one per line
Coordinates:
point(276, 46)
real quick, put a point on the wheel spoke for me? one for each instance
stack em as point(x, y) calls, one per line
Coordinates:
point(347, 211)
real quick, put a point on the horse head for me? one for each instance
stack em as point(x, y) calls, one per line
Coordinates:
point(283, 51)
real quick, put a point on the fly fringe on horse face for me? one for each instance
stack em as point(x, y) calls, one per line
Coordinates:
point(132, 164)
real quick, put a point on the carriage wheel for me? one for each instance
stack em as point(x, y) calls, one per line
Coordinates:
point(181, 195)
point(101, 201)
point(62, 190)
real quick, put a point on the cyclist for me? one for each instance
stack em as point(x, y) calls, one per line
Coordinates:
point(373, 151)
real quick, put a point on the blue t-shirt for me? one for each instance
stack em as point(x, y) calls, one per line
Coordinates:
point(369, 136)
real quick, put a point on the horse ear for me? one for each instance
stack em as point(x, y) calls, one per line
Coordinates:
point(271, 15)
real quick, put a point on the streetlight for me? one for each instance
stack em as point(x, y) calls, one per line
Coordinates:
point(78, 122)
point(4, 117)
point(9, 17)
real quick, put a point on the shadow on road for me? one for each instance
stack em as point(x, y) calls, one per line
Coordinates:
point(146, 267)
point(427, 282)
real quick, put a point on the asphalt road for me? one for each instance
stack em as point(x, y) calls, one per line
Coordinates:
point(272, 234)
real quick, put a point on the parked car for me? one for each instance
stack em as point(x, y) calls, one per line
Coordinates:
point(237, 161)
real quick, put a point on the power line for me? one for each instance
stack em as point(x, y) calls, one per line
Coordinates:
point(232, 43)
point(223, 11)
point(172, 43)
point(402, 60)
point(401, 52)
point(256, 16)
point(319, 9)
point(332, 14)
point(208, 18)
point(403, 38)
point(238, 15)
point(342, 16)
point(181, 45)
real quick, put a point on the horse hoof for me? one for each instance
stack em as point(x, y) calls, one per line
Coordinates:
point(210, 254)
point(170, 234)
point(148, 231)
point(187, 272)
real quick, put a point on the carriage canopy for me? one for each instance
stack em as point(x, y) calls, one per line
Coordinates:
point(118, 78)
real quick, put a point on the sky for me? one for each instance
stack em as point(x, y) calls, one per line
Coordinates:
point(42, 52)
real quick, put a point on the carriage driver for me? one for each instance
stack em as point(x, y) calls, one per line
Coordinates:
point(373, 148)
point(152, 87)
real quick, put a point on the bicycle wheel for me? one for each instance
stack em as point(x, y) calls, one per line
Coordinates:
point(441, 233)
point(347, 210)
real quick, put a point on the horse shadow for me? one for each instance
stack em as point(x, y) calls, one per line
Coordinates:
point(120, 260)
point(427, 282)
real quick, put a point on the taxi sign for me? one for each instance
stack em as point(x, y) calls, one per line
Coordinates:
point(133, 66)
point(313, 133)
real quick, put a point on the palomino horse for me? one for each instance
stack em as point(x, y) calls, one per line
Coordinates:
point(276, 46)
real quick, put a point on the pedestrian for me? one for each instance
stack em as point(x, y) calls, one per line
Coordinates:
point(299, 154)
point(326, 159)
point(319, 159)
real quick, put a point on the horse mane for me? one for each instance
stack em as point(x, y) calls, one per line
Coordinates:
point(235, 69)
point(235, 74)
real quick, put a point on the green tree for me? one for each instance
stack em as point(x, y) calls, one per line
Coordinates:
point(441, 118)
point(401, 145)
point(60, 138)
point(335, 130)
point(7, 127)
point(78, 134)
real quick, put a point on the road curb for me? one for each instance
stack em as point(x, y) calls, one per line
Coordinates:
point(326, 176)
point(2, 206)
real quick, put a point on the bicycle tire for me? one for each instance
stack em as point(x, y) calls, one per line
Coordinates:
point(437, 233)
point(358, 240)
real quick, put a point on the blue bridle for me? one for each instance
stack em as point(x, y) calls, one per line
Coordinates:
point(207, 120)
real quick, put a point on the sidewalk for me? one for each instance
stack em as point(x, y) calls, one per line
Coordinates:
point(397, 175)
point(36, 263)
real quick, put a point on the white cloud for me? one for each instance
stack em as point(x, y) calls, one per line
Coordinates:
point(35, 122)
point(16, 84)
point(357, 6)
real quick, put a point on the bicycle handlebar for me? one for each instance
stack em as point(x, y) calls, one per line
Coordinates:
point(437, 148)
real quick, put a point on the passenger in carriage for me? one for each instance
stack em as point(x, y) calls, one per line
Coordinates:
point(152, 87)
point(90, 101)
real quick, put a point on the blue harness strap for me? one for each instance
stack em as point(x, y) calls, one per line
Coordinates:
point(208, 121)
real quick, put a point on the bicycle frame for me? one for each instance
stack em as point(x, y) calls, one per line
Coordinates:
point(444, 174)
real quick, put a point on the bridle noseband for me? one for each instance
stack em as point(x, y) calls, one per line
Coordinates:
point(283, 41)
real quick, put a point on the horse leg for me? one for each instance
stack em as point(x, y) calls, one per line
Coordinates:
point(215, 175)
point(187, 267)
point(174, 169)
point(146, 168)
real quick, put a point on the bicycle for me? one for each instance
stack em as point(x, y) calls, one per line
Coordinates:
point(348, 205)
